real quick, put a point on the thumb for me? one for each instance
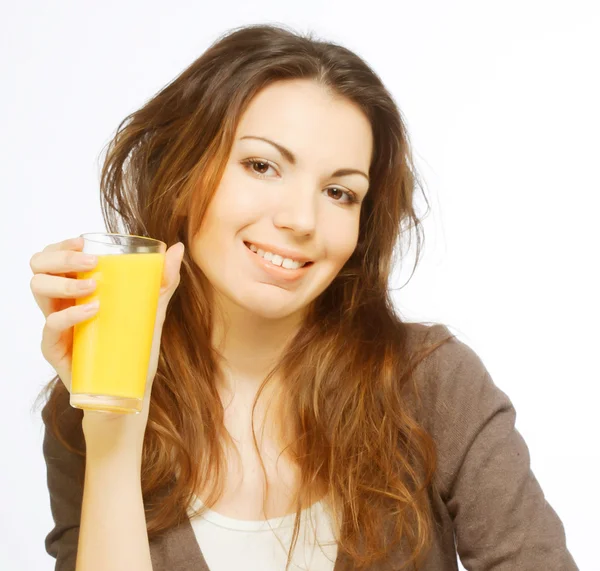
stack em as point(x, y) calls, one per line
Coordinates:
point(170, 278)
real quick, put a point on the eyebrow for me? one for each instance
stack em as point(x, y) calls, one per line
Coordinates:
point(291, 158)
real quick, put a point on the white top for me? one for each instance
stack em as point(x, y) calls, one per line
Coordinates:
point(229, 543)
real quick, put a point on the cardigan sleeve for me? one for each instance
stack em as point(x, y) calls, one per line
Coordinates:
point(501, 518)
point(65, 475)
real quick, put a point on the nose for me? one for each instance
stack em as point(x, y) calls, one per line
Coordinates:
point(297, 211)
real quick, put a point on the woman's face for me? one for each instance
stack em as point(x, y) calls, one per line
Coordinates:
point(292, 196)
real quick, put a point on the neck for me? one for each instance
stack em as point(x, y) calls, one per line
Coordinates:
point(250, 345)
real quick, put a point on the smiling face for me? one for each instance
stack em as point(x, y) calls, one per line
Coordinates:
point(293, 185)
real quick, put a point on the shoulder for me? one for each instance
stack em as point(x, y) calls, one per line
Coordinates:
point(449, 373)
point(483, 474)
point(452, 353)
point(455, 392)
point(459, 403)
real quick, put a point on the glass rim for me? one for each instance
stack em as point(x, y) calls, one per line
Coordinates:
point(90, 237)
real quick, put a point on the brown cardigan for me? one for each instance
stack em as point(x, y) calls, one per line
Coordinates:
point(489, 507)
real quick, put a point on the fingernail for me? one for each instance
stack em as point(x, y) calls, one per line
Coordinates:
point(90, 260)
point(91, 306)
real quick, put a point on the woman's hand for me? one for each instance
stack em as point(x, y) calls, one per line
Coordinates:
point(55, 288)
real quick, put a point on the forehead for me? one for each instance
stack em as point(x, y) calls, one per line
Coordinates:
point(314, 124)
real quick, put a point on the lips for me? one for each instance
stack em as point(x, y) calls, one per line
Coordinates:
point(283, 252)
point(276, 273)
point(302, 260)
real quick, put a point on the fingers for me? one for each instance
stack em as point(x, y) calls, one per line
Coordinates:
point(57, 336)
point(173, 258)
point(68, 244)
point(60, 321)
point(59, 261)
point(49, 291)
point(58, 287)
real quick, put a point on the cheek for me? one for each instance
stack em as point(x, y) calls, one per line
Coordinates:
point(341, 242)
point(207, 241)
point(238, 199)
point(207, 237)
point(231, 209)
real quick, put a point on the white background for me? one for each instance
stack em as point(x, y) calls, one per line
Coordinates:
point(502, 105)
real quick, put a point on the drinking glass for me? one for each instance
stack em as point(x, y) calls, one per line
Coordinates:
point(111, 350)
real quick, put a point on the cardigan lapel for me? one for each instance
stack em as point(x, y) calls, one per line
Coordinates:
point(177, 550)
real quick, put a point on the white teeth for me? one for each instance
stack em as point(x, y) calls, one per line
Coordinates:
point(290, 264)
point(276, 259)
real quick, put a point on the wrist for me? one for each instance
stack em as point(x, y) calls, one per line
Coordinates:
point(109, 436)
point(120, 467)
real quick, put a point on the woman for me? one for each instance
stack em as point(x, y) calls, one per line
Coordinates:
point(295, 421)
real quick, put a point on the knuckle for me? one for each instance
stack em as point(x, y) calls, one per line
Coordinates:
point(33, 283)
point(33, 261)
point(70, 287)
point(44, 345)
point(71, 258)
point(50, 322)
point(47, 352)
point(53, 322)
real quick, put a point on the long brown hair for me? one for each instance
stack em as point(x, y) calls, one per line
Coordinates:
point(344, 370)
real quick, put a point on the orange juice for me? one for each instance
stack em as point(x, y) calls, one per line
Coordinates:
point(111, 350)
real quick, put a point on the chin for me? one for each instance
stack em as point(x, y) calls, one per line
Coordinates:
point(272, 305)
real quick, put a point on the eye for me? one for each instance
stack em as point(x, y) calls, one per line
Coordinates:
point(263, 166)
point(351, 198)
point(260, 167)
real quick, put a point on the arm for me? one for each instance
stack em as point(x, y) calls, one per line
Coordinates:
point(104, 526)
point(113, 524)
point(501, 518)
point(99, 518)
